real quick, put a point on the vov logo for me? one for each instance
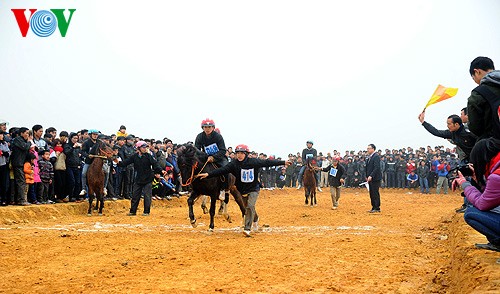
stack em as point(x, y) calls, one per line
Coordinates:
point(43, 22)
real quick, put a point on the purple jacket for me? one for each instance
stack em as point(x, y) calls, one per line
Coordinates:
point(490, 197)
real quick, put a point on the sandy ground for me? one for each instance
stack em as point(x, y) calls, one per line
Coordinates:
point(418, 244)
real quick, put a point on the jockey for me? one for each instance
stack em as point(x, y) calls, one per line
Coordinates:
point(212, 143)
point(308, 152)
point(86, 151)
point(246, 171)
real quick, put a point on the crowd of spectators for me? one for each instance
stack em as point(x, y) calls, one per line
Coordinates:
point(404, 168)
point(42, 166)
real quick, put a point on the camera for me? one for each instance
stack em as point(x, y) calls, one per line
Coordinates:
point(464, 169)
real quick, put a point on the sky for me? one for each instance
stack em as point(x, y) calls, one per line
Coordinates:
point(271, 74)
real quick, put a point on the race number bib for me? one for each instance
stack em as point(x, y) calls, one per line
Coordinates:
point(309, 155)
point(211, 149)
point(333, 172)
point(247, 175)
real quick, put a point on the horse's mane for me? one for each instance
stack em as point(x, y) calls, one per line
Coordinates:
point(189, 152)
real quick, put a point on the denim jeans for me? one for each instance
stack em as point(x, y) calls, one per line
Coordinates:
point(84, 176)
point(485, 222)
point(424, 185)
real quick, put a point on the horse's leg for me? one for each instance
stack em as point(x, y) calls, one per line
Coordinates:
point(306, 191)
point(190, 202)
point(314, 195)
point(239, 200)
point(221, 208)
point(96, 201)
point(204, 203)
point(101, 206)
point(213, 203)
point(91, 199)
point(311, 195)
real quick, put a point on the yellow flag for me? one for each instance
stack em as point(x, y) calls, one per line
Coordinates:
point(441, 93)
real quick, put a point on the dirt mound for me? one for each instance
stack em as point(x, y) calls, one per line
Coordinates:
point(416, 245)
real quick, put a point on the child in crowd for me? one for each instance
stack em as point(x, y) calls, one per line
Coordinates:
point(46, 177)
point(163, 188)
point(58, 159)
point(356, 180)
point(29, 175)
point(281, 178)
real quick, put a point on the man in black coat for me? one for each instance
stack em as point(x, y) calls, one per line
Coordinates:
point(20, 148)
point(374, 177)
point(145, 167)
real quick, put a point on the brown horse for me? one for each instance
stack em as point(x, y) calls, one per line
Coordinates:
point(309, 182)
point(95, 175)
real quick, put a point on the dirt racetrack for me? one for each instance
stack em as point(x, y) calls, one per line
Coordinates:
point(418, 244)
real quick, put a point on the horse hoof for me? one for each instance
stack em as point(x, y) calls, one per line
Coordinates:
point(228, 218)
point(210, 230)
point(89, 214)
point(100, 213)
point(205, 210)
point(194, 224)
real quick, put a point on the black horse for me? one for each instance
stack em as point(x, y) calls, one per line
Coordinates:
point(191, 162)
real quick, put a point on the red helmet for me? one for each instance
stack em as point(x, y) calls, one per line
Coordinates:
point(207, 123)
point(242, 148)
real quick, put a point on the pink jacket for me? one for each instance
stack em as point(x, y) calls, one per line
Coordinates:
point(36, 169)
point(490, 197)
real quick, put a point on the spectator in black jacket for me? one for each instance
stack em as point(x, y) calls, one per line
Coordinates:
point(20, 149)
point(127, 179)
point(73, 167)
point(423, 173)
point(456, 132)
point(390, 169)
point(145, 167)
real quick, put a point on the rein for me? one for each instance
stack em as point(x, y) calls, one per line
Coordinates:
point(192, 177)
point(97, 156)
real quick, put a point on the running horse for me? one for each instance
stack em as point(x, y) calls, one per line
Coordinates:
point(309, 182)
point(191, 162)
point(96, 176)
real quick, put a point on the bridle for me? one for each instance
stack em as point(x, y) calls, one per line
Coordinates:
point(193, 177)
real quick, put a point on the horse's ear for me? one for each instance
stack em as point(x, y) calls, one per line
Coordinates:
point(181, 149)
